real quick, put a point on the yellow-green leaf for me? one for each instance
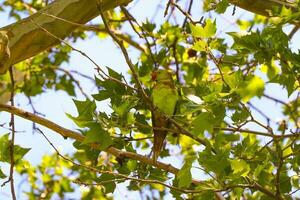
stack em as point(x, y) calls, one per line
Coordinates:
point(240, 167)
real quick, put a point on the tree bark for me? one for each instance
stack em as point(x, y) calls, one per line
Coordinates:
point(27, 39)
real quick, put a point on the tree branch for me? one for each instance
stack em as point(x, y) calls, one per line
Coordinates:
point(27, 40)
point(77, 136)
point(263, 7)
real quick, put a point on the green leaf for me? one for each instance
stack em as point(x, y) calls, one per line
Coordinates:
point(217, 163)
point(272, 70)
point(248, 42)
point(222, 6)
point(263, 169)
point(148, 26)
point(209, 30)
point(224, 139)
point(234, 79)
point(109, 89)
point(218, 111)
point(19, 151)
point(102, 95)
point(2, 175)
point(285, 183)
point(244, 24)
point(124, 107)
point(85, 108)
point(286, 11)
point(206, 195)
point(240, 115)
point(114, 74)
point(66, 84)
point(132, 165)
point(287, 151)
point(97, 135)
point(4, 148)
point(196, 30)
point(295, 180)
point(107, 180)
point(184, 175)
point(240, 167)
point(288, 81)
point(204, 121)
point(250, 88)
point(142, 120)
point(85, 111)
point(200, 45)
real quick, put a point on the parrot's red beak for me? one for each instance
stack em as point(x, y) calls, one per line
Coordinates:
point(154, 76)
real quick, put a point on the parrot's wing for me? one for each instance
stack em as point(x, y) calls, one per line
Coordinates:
point(165, 99)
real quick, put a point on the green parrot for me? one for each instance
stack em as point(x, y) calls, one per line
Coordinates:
point(164, 97)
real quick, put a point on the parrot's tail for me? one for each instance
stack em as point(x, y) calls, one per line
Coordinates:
point(159, 138)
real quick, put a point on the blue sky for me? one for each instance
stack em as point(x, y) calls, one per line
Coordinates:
point(105, 53)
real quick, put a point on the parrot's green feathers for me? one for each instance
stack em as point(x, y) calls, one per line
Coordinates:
point(164, 97)
point(163, 76)
point(164, 93)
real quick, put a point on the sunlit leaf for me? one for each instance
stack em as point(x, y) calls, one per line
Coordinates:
point(2, 175)
point(207, 31)
point(253, 87)
point(240, 167)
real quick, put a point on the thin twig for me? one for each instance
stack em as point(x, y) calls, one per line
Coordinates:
point(12, 142)
point(117, 174)
point(293, 31)
point(72, 48)
point(275, 99)
point(167, 8)
point(189, 12)
point(34, 111)
point(77, 83)
point(176, 60)
point(98, 68)
point(101, 183)
point(268, 119)
point(186, 14)
point(189, 134)
point(252, 119)
point(126, 56)
point(82, 75)
point(131, 19)
point(252, 186)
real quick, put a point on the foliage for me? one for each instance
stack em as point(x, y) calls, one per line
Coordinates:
point(218, 128)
